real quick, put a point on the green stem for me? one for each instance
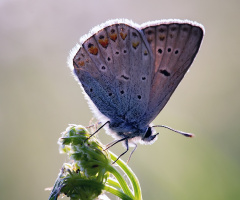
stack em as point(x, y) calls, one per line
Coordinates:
point(132, 177)
point(121, 181)
point(118, 193)
point(112, 182)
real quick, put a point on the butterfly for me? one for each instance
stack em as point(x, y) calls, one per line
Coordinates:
point(128, 72)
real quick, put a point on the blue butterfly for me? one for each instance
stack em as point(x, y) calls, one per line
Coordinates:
point(128, 72)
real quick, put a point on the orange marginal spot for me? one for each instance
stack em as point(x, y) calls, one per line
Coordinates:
point(113, 36)
point(135, 44)
point(161, 37)
point(103, 42)
point(93, 50)
point(81, 63)
point(145, 52)
point(149, 40)
point(123, 36)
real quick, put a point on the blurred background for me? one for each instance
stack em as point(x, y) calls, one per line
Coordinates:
point(39, 98)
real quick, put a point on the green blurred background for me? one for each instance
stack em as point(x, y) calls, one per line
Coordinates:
point(39, 98)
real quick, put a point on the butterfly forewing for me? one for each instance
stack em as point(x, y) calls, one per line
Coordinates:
point(118, 35)
point(115, 67)
point(140, 71)
point(95, 76)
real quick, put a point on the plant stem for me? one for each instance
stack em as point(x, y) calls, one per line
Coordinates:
point(118, 193)
point(121, 181)
point(132, 177)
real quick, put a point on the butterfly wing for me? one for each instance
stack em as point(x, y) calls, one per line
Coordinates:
point(114, 66)
point(174, 46)
point(95, 77)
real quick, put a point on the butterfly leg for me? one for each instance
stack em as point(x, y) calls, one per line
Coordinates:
point(126, 142)
point(92, 124)
point(132, 153)
point(114, 142)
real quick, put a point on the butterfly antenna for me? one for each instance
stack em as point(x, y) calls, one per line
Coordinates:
point(177, 131)
point(97, 130)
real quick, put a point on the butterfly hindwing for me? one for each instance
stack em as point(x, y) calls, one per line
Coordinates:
point(175, 46)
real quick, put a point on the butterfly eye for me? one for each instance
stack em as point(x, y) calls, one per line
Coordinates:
point(148, 133)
